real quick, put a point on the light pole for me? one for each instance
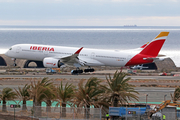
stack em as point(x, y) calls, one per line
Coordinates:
point(146, 100)
point(165, 97)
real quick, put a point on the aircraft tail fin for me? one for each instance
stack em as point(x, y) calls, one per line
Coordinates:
point(153, 48)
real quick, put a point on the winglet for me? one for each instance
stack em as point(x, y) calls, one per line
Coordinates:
point(78, 51)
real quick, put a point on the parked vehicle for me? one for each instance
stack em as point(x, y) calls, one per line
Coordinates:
point(50, 71)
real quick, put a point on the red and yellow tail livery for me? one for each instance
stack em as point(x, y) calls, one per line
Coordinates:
point(150, 51)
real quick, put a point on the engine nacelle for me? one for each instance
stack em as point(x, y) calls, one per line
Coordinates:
point(52, 63)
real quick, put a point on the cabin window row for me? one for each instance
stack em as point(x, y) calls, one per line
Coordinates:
point(110, 57)
point(32, 50)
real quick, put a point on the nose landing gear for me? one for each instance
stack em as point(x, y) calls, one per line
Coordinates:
point(14, 64)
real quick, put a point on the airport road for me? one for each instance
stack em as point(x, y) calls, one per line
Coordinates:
point(70, 77)
point(155, 94)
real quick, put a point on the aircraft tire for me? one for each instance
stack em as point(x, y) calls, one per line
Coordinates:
point(14, 64)
point(89, 70)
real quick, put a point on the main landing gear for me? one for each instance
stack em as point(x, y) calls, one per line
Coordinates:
point(79, 71)
point(89, 70)
point(76, 72)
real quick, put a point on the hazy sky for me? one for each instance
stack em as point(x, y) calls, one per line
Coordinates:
point(90, 12)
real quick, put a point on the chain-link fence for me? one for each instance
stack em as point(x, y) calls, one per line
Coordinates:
point(53, 113)
point(79, 113)
point(166, 116)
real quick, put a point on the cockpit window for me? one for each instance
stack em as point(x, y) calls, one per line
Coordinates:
point(10, 48)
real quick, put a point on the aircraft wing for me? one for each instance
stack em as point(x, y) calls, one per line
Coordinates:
point(72, 59)
point(90, 62)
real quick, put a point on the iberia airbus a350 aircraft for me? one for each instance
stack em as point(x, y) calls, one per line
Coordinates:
point(56, 56)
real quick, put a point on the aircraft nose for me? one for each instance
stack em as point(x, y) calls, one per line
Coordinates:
point(6, 53)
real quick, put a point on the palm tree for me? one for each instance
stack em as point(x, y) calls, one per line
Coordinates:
point(37, 93)
point(119, 90)
point(50, 96)
point(89, 94)
point(7, 94)
point(64, 95)
point(23, 94)
point(176, 95)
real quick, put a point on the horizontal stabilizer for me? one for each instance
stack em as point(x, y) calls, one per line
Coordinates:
point(156, 59)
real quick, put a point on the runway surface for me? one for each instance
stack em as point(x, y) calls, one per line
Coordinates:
point(91, 75)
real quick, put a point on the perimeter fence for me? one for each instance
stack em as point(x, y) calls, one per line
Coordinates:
point(54, 113)
point(79, 113)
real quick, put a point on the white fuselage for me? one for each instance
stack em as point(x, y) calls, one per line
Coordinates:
point(56, 56)
point(90, 57)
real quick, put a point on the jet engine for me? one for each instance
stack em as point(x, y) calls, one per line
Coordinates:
point(52, 63)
